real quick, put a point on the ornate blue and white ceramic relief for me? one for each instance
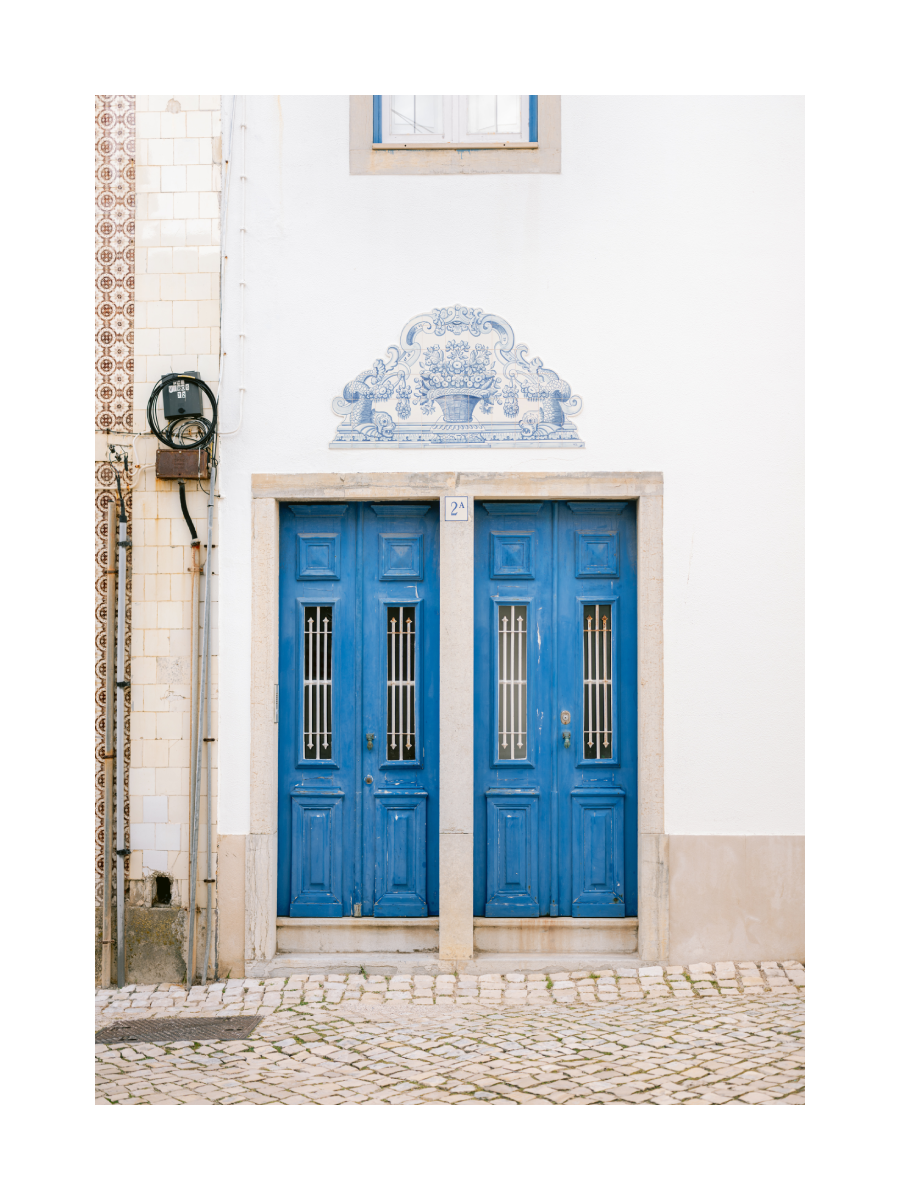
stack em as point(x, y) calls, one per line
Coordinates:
point(457, 378)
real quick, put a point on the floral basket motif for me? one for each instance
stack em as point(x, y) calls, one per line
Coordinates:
point(457, 379)
point(459, 406)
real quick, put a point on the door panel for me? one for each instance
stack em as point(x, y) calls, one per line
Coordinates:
point(597, 852)
point(317, 845)
point(358, 719)
point(555, 709)
point(400, 853)
point(512, 864)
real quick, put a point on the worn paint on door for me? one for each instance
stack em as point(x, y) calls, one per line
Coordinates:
point(358, 710)
point(555, 709)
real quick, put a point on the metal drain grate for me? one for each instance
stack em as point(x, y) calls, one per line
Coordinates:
point(179, 1029)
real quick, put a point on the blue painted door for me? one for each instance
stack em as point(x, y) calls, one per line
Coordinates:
point(358, 710)
point(555, 709)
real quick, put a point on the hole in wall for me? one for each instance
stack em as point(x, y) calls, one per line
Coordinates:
point(162, 891)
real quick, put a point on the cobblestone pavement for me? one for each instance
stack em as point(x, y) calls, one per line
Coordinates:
point(723, 1033)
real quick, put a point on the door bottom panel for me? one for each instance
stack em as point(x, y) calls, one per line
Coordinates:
point(400, 853)
point(512, 840)
point(317, 841)
point(598, 852)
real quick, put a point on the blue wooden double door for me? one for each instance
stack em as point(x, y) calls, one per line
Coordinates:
point(358, 710)
point(555, 709)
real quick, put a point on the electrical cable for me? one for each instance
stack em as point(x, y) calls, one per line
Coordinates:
point(122, 516)
point(184, 433)
point(195, 541)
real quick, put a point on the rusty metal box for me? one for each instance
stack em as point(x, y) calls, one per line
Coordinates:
point(182, 464)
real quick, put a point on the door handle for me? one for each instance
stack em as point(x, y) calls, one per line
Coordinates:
point(567, 739)
point(370, 741)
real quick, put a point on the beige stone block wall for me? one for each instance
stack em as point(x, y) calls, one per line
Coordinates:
point(735, 897)
point(176, 328)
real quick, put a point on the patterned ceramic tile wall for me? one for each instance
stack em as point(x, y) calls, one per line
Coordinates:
point(176, 328)
point(114, 363)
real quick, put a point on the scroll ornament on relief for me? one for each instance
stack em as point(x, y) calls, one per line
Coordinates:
point(470, 382)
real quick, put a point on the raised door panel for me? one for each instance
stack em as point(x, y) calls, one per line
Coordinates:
point(317, 851)
point(400, 853)
point(598, 847)
point(512, 853)
point(318, 556)
point(401, 558)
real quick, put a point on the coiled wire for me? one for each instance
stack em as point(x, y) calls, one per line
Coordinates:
point(184, 433)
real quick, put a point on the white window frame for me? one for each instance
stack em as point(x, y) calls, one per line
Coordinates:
point(454, 129)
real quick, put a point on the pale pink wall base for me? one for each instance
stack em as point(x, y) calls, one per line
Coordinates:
point(734, 898)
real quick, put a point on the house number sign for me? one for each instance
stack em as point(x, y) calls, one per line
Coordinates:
point(456, 508)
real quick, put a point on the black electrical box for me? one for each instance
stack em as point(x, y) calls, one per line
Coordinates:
point(180, 398)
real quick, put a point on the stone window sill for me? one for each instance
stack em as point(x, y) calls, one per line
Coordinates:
point(456, 145)
point(368, 157)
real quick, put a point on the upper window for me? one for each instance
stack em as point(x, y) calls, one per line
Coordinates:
point(412, 121)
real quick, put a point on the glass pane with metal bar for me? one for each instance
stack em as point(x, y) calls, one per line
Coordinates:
point(401, 683)
point(412, 115)
point(512, 681)
point(598, 695)
point(317, 681)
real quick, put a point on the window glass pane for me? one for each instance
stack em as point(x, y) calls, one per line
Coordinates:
point(494, 114)
point(597, 659)
point(509, 114)
point(401, 683)
point(512, 681)
point(317, 638)
point(416, 115)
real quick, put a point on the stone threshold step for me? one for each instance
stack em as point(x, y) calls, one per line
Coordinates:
point(417, 962)
point(480, 922)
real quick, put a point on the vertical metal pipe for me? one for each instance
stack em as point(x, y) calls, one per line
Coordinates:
point(503, 681)
point(322, 685)
point(606, 729)
point(196, 572)
point(307, 693)
point(521, 674)
point(198, 762)
point(109, 748)
point(409, 682)
point(209, 744)
point(315, 679)
point(195, 660)
point(121, 684)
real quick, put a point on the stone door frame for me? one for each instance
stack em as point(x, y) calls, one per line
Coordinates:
point(457, 549)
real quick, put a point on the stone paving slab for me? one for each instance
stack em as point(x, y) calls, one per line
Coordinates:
point(720, 1033)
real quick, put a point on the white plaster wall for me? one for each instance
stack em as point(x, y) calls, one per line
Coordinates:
point(660, 274)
